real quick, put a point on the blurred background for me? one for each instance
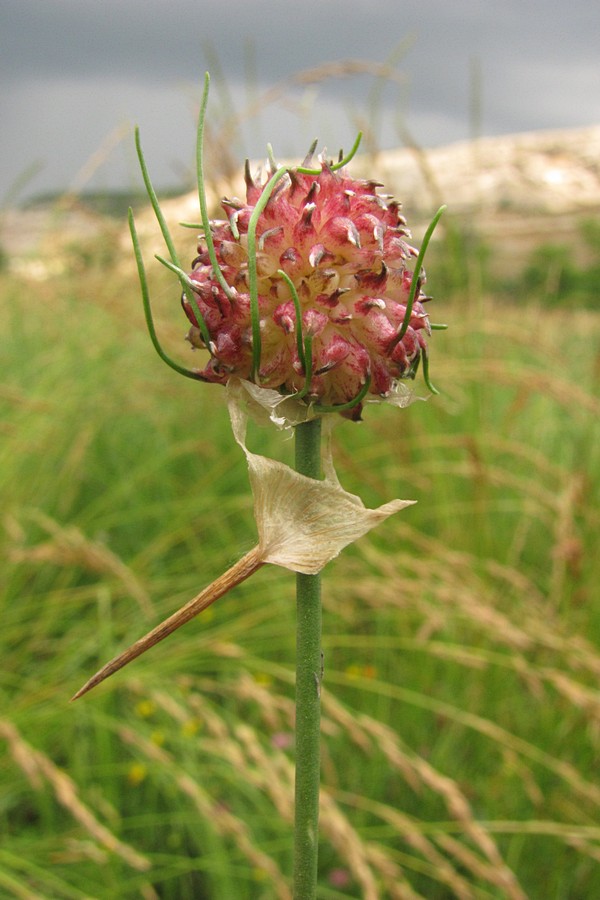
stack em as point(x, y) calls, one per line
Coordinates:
point(461, 712)
point(77, 76)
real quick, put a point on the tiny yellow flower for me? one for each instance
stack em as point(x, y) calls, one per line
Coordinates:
point(145, 708)
point(259, 874)
point(353, 671)
point(191, 727)
point(136, 773)
point(158, 738)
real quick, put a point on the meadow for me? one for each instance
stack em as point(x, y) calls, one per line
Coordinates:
point(461, 713)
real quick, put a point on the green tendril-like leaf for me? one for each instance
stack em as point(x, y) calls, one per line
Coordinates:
point(298, 308)
point(188, 373)
point(271, 158)
point(426, 378)
point(252, 272)
point(175, 265)
point(350, 404)
point(154, 200)
point(338, 165)
point(188, 286)
point(234, 229)
point(304, 347)
point(307, 368)
point(202, 192)
point(415, 283)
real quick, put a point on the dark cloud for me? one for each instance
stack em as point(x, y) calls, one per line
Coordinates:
point(72, 70)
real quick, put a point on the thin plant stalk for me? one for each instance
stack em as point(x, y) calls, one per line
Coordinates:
point(309, 659)
point(309, 668)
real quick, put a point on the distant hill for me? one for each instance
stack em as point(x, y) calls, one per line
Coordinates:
point(526, 188)
point(552, 172)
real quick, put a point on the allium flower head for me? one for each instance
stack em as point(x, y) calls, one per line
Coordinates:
point(312, 297)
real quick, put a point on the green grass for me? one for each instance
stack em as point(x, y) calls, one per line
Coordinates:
point(461, 732)
point(553, 273)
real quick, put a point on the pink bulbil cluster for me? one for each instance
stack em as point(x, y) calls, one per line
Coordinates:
point(345, 248)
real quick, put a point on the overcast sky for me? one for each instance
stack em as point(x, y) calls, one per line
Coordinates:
point(76, 75)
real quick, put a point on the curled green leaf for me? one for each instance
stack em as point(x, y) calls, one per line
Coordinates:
point(338, 165)
point(426, 378)
point(188, 373)
point(415, 284)
point(202, 192)
point(188, 286)
point(341, 407)
point(298, 308)
point(252, 272)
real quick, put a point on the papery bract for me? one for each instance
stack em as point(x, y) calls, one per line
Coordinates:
point(302, 523)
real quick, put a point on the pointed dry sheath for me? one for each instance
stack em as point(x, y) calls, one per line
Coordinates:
point(304, 302)
point(245, 567)
point(302, 525)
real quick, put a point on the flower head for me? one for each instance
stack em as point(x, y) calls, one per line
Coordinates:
point(308, 290)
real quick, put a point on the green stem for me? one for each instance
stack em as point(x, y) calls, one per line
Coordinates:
point(308, 693)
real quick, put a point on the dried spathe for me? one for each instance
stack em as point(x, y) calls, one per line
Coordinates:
point(302, 523)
